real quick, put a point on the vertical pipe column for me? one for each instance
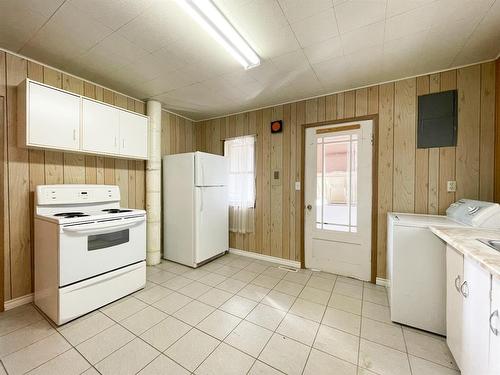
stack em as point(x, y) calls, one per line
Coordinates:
point(153, 185)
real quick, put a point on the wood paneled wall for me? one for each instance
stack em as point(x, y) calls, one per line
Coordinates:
point(177, 134)
point(410, 179)
point(25, 169)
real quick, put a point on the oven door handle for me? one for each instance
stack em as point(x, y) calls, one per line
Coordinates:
point(104, 228)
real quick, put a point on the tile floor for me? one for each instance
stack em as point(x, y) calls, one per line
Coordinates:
point(234, 315)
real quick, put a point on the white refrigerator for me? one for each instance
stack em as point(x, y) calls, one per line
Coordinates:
point(195, 207)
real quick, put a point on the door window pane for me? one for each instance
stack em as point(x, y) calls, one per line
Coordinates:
point(336, 203)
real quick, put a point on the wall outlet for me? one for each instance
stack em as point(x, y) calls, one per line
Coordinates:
point(297, 185)
point(451, 186)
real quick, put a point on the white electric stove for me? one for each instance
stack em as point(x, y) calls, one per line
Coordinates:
point(88, 251)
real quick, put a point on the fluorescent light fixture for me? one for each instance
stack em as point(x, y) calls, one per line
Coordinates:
point(217, 25)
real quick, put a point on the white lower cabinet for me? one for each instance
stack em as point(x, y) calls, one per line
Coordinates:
point(494, 325)
point(454, 302)
point(475, 320)
point(470, 315)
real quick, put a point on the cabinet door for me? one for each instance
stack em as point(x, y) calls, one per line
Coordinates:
point(494, 322)
point(100, 129)
point(475, 323)
point(53, 118)
point(454, 302)
point(133, 135)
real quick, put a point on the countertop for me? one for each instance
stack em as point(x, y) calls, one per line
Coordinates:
point(465, 241)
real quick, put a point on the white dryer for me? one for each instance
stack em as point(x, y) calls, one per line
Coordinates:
point(416, 261)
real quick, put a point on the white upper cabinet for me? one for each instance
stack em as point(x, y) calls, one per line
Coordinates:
point(133, 135)
point(51, 118)
point(100, 127)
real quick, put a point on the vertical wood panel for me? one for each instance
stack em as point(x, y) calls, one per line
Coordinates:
point(299, 204)
point(487, 132)
point(362, 102)
point(259, 188)
point(293, 167)
point(5, 262)
point(276, 186)
point(446, 154)
point(266, 182)
point(340, 106)
point(385, 169)
point(433, 195)
point(404, 145)
point(331, 107)
point(285, 181)
point(422, 161)
point(18, 172)
point(349, 104)
point(373, 100)
point(467, 157)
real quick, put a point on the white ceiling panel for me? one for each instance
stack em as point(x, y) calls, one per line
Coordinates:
point(153, 49)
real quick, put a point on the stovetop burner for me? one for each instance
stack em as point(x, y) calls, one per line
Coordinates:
point(115, 210)
point(71, 214)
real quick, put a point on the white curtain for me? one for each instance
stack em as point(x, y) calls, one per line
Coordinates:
point(241, 187)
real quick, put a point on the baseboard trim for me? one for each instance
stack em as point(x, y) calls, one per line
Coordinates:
point(269, 258)
point(19, 301)
point(382, 282)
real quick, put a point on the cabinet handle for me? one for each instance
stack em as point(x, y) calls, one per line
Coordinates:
point(465, 287)
point(457, 283)
point(74, 134)
point(494, 330)
point(123, 143)
point(116, 143)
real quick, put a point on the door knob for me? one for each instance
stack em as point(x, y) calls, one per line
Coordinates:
point(309, 207)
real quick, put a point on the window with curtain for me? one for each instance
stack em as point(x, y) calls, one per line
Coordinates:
point(241, 187)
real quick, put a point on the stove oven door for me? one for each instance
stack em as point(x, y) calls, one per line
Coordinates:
point(90, 249)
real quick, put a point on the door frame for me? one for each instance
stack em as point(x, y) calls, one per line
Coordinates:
point(374, 119)
point(3, 134)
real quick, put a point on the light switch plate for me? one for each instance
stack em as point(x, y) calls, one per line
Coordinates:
point(451, 186)
point(297, 185)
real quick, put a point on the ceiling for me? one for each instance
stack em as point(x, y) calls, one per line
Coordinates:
point(152, 49)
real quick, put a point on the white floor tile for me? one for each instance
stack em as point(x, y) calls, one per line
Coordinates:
point(153, 294)
point(383, 360)
point(129, 359)
point(231, 285)
point(260, 368)
point(35, 354)
point(337, 343)
point(256, 267)
point(192, 349)
point(249, 338)
point(320, 363)
point(382, 333)
point(86, 328)
point(377, 312)
point(19, 317)
point(212, 279)
point(195, 289)
point(345, 321)
point(161, 277)
point(226, 360)
point(67, 363)
point(349, 290)
point(227, 270)
point(124, 308)
point(219, 324)
point(376, 296)
point(266, 316)
point(275, 272)
point(420, 366)
point(23, 337)
point(103, 344)
point(278, 300)
point(265, 281)
point(320, 283)
point(285, 354)
point(173, 302)
point(245, 276)
point(298, 328)
point(298, 277)
point(254, 292)
point(193, 313)
point(143, 320)
point(289, 287)
point(165, 333)
point(163, 365)
point(177, 283)
point(344, 303)
point(308, 310)
point(315, 295)
point(430, 348)
point(238, 306)
point(215, 297)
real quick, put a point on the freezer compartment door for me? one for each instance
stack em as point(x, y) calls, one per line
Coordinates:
point(212, 215)
point(211, 170)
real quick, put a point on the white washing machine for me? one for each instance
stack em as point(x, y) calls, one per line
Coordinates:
point(416, 261)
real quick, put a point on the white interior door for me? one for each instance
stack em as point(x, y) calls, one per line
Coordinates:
point(338, 198)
